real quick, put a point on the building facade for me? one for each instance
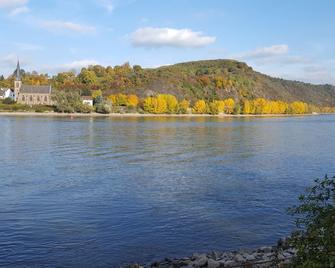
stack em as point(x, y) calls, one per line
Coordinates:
point(31, 95)
point(88, 100)
point(6, 93)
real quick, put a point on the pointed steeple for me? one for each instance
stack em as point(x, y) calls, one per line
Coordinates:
point(18, 71)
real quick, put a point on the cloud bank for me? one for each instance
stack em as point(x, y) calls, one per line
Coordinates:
point(266, 52)
point(169, 37)
point(58, 25)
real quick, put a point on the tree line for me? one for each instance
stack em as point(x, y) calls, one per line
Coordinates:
point(170, 104)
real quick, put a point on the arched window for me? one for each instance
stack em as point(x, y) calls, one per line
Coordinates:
point(46, 98)
point(31, 98)
point(23, 98)
point(38, 98)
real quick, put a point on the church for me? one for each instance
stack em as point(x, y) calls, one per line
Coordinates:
point(30, 95)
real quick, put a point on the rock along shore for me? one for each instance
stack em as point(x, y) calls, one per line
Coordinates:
point(264, 257)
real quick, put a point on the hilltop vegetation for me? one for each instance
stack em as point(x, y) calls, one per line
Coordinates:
point(206, 86)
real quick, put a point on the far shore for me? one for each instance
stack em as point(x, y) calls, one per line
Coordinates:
point(51, 114)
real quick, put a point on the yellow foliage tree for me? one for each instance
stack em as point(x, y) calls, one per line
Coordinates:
point(149, 104)
point(184, 106)
point(247, 107)
point(217, 107)
point(96, 93)
point(229, 105)
point(260, 106)
point(132, 100)
point(298, 107)
point(119, 99)
point(200, 107)
point(171, 103)
point(155, 105)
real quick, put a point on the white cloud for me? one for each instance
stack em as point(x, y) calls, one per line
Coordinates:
point(19, 10)
point(15, 7)
point(169, 37)
point(12, 3)
point(78, 64)
point(57, 25)
point(266, 52)
point(74, 65)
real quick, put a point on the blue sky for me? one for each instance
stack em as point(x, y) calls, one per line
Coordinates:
point(292, 39)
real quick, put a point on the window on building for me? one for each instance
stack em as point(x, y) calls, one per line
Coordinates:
point(31, 98)
point(38, 98)
point(23, 98)
point(45, 98)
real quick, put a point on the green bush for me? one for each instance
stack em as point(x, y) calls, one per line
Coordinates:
point(42, 108)
point(315, 220)
point(8, 101)
point(84, 108)
point(103, 108)
point(68, 102)
point(14, 107)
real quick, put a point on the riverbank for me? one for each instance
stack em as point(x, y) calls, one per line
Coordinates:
point(147, 115)
point(263, 257)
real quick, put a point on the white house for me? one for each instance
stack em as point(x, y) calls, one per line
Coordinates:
point(87, 100)
point(7, 93)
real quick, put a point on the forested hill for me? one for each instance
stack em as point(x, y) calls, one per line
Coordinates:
point(209, 80)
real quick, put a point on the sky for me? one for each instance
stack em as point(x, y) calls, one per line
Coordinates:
point(292, 39)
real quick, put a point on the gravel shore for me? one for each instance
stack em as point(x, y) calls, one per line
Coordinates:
point(264, 257)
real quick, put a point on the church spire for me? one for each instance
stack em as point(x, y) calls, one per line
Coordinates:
point(18, 71)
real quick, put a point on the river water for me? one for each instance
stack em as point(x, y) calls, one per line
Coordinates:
point(100, 192)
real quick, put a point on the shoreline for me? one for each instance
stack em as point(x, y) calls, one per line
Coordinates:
point(262, 257)
point(71, 115)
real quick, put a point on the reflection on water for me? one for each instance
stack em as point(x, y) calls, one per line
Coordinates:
point(99, 192)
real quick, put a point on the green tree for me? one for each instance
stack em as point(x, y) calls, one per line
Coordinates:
point(315, 220)
point(87, 77)
point(69, 102)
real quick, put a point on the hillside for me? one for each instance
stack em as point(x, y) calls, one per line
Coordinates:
point(226, 78)
point(209, 80)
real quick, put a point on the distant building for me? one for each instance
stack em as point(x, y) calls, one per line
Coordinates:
point(7, 93)
point(87, 100)
point(31, 95)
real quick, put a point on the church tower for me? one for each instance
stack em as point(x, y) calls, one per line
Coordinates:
point(17, 82)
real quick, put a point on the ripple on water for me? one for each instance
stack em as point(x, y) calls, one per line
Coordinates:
point(100, 192)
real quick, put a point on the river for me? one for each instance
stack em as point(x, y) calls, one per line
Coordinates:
point(100, 192)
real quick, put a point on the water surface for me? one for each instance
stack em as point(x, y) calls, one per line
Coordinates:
point(98, 192)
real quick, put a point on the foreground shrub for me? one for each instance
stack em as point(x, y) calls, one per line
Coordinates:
point(67, 102)
point(103, 108)
point(315, 220)
point(8, 101)
point(43, 108)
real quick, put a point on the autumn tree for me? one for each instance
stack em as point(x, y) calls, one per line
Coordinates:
point(118, 99)
point(155, 105)
point(132, 100)
point(96, 93)
point(229, 105)
point(171, 103)
point(247, 107)
point(298, 107)
point(87, 77)
point(184, 106)
point(200, 107)
point(217, 107)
